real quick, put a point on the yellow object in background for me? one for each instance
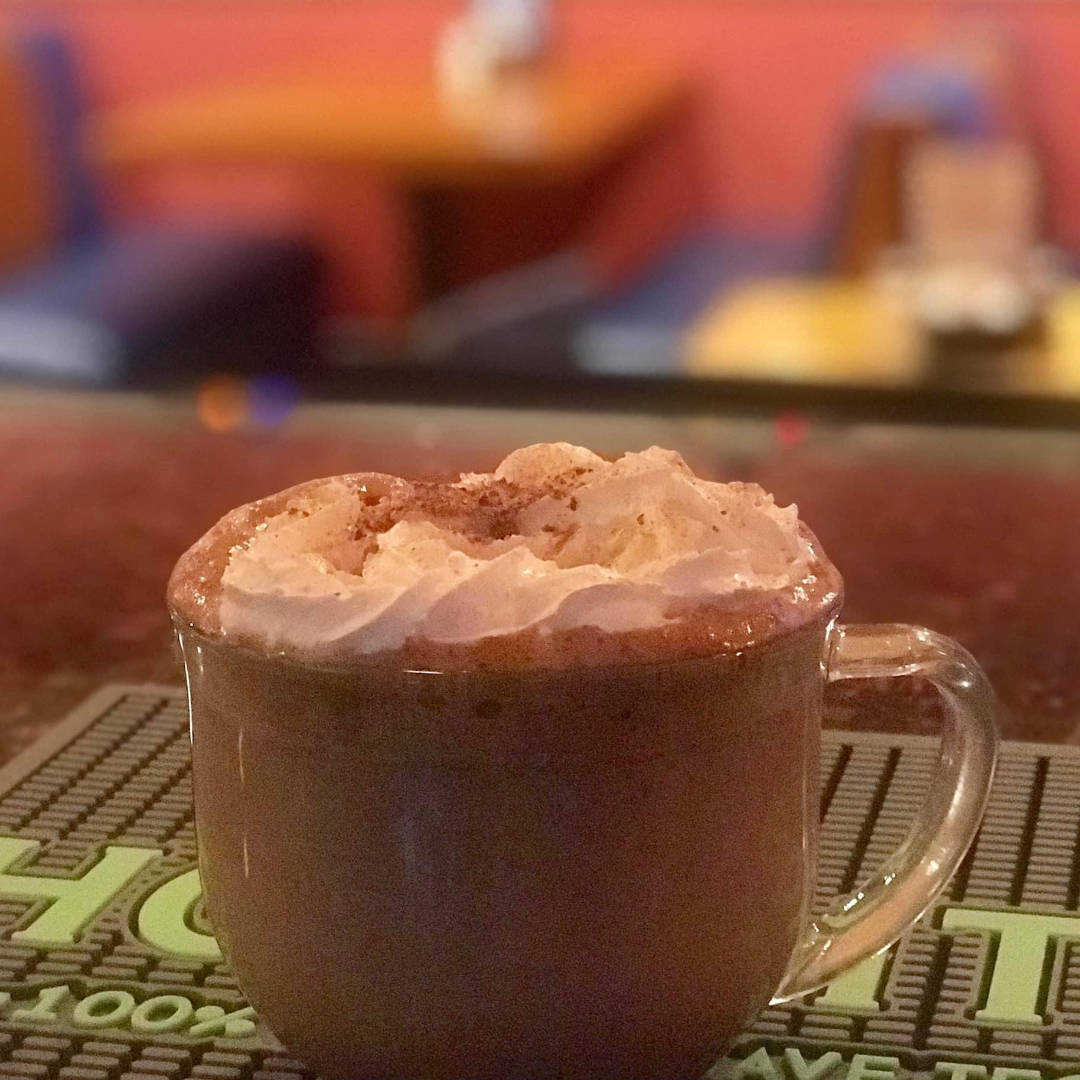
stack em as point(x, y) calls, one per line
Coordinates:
point(1063, 343)
point(27, 225)
point(806, 331)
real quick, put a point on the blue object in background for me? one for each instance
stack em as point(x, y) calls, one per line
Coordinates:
point(949, 98)
point(640, 330)
point(271, 398)
point(159, 301)
point(54, 82)
point(147, 302)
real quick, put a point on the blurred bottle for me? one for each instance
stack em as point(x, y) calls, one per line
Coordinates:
point(961, 83)
point(487, 66)
point(519, 28)
point(974, 267)
point(487, 39)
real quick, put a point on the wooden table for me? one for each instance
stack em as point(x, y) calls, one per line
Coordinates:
point(972, 533)
point(551, 125)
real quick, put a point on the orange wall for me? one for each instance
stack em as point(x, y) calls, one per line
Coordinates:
point(775, 79)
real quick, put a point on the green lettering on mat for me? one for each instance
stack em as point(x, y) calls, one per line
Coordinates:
point(960, 1070)
point(1007, 1072)
point(43, 1011)
point(163, 919)
point(106, 1008)
point(873, 1067)
point(857, 989)
point(758, 1066)
point(1023, 938)
point(77, 900)
point(168, 1012)
point(820, 1067)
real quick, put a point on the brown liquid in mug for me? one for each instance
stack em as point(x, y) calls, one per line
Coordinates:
point(584, 855)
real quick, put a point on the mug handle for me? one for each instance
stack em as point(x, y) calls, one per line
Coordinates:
point(878, 911)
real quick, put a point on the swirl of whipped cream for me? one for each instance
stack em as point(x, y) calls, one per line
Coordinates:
point(613, 545)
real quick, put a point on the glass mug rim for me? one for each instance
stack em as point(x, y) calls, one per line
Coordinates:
point(825, 617)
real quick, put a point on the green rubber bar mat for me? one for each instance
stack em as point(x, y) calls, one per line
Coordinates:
point(108, 969)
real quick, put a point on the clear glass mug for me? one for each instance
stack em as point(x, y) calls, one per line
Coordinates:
point(600, 872)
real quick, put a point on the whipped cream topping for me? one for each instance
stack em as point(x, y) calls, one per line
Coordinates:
point(578, 541)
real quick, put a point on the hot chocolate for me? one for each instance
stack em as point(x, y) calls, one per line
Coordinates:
point(512, 776)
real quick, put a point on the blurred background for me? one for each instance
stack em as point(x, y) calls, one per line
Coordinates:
point(832, 245)
point(378, 197)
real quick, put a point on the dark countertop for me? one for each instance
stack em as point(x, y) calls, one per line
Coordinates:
point(973, 533)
